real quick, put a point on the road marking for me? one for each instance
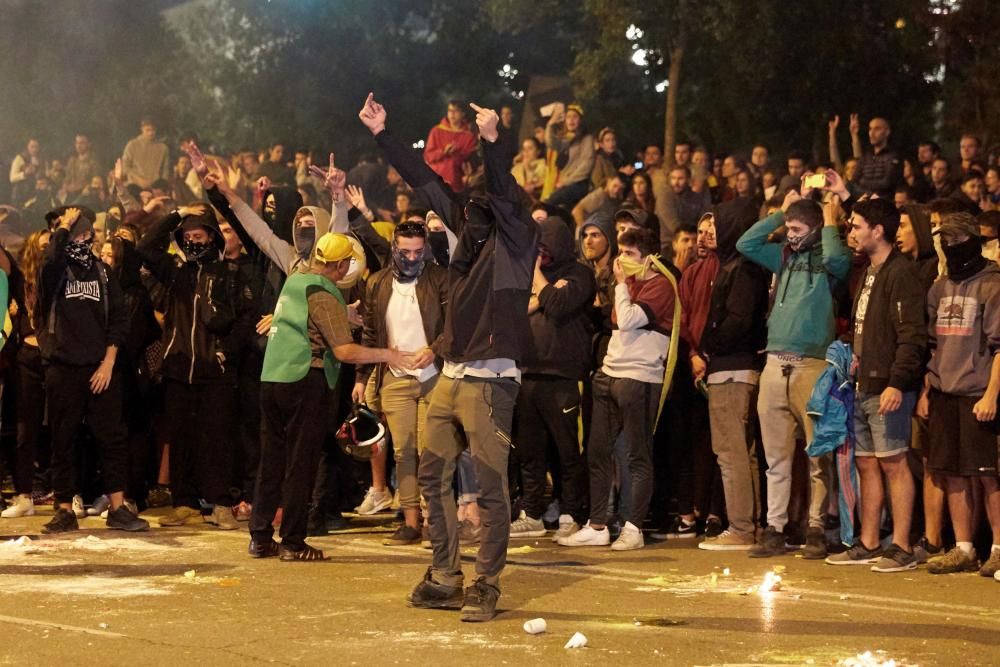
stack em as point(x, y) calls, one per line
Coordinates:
point(59, 626)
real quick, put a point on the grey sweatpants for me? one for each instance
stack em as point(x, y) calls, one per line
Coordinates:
point(732, 441)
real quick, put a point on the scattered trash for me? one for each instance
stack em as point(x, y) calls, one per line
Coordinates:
point(725, 572)
point(526, 549)
point(845, 597)
point(103, 626)
point(772, 582)
point(229, 582)
point(714, 580)
point(535, 626)
point(189, 574)
point(779, 569)
point(578, 640)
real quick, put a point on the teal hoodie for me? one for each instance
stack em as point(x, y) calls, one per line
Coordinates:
point(802, 318)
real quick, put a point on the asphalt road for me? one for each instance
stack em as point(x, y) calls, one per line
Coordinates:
point(191, 596)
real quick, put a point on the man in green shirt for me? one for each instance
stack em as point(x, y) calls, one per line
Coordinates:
point(309, 338)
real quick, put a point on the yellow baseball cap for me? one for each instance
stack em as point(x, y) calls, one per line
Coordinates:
point(333, 247)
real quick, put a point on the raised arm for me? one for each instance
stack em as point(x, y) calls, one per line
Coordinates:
point(834, 148)
point(335, 181)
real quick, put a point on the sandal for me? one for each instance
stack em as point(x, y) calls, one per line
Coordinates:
point(267, 549)
point(307, 553)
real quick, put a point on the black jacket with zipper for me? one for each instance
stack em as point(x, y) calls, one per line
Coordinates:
point(736, 330)
point(895, 329)
point(489, 276)
point(432, 298)
point(204, 300)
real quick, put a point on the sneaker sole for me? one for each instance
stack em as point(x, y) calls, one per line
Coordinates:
point(468, 617)
point(958, 571)
point(867, 561)
point(138, 529)
point(530, 533)
point(453, 605)
point(628, 548)
point(588, 544)
point(898, 568)
point(681, 536)
point(381, 507)
point(17, 516)
point(712, 546)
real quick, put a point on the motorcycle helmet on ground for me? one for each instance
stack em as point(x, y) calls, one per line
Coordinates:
point(362, 435)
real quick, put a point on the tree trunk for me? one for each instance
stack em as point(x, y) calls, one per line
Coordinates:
point(673, 81)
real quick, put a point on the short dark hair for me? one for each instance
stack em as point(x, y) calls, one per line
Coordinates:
point(935, 148)
point(945, 160)
point(797, 155)
point(805, 211)
point(457, 104)
point(880, 212)
point(683, 142)
point(970, 135)
point(410, 230)
point(972, 175)
point(989, 219)
point(946, 206)
point(680, 167)
point(642, 238)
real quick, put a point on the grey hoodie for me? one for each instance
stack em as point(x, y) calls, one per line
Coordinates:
point(964, 332)
point(287, 256)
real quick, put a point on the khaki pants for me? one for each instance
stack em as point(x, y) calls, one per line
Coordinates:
point(785, 387)
point(404, 403)
point(482, 411)
point(732, 441)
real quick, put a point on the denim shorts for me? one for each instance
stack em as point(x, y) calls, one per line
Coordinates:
point(882, 435)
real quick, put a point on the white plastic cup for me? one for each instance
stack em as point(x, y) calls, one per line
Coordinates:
point(535, 626)
point(578, 640)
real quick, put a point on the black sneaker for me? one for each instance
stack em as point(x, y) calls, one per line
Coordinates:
point(429, 594)
point(404, 535)
point(480, 602)
point(858, 554)
point(924, 550)
point(771, 543)
point(262, 549)
point(123, 519)
point(815, 548)
point(894, 559)
point(63, 522)
point(713, 528)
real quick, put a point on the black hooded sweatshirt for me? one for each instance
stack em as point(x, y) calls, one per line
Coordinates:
point(926, 263)
point(489, 275)
point(561, 327)
point(204, 300)
point(736, 330)
point(82, 311)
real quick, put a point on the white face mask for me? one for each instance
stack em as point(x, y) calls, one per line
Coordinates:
point(991, 250)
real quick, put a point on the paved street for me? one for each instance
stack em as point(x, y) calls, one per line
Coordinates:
point(192, 597)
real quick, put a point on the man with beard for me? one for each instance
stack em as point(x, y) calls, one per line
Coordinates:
point(548, 405)
point(404, 308)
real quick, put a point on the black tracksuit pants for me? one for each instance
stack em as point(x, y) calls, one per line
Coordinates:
point(202, 437)
point(70, 402)
point(548, 406)
point(294, 425)
point(30, 415)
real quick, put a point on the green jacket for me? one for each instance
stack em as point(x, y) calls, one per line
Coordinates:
point(288, 355)
point(802, 319)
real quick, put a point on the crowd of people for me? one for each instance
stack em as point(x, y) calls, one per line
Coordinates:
point(547, 335)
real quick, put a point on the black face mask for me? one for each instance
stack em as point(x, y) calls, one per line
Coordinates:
point(405, 270)
point(80, 253)
point(438, 242)
point(964, 259)
point(305, 240)
point(196, 252)
point(804, 242)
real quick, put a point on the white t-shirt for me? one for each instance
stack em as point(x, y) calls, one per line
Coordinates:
point(405, 327)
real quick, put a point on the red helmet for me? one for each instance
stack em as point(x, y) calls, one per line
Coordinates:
point(362, 435)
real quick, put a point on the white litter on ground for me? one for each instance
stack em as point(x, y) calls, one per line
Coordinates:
point(84, 586)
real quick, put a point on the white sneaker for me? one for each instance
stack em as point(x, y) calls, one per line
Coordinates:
point(374, 502)
point(587, 537)
point(78, 510)
point(22, 506)
point(566, 527)
point(525, 526)
point(630, 538)
point(99, 508)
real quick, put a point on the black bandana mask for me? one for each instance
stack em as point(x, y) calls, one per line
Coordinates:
point(438, 242)
point(405, 270)
point(964, 259)
point(804, 242)
point(197, 252)
point(80, 253)
point(305, 240)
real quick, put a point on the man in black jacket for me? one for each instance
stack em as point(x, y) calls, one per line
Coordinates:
point(84, 323)
point(890, 339)
point(548, 404)
point(200, 358)
point(728, 359)
point(486, 336)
